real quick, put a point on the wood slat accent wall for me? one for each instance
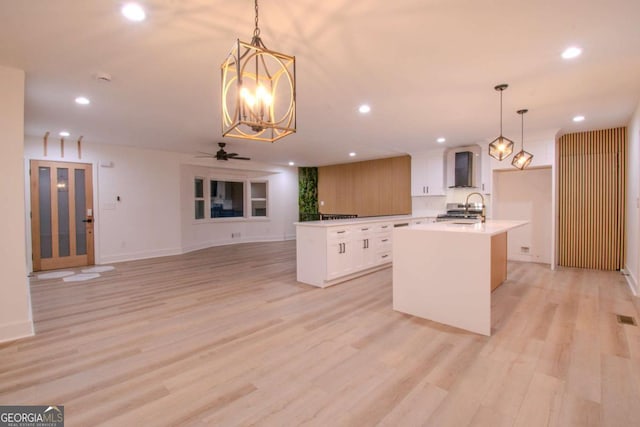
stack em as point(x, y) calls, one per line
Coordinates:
point(591, 193)
point(369, 188)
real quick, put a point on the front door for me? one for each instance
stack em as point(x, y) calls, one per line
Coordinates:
point(61, 214)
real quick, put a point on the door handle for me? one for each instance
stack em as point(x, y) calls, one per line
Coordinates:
point(89, 220)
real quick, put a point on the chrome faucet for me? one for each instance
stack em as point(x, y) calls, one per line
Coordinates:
point(484, 208)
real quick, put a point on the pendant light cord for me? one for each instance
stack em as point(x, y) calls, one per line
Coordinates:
point(256, 31)
point(522, 130)
point(500, 111)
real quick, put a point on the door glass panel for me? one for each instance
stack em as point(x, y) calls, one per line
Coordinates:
point(81, 198)
point(62, 185)
point(44, 200)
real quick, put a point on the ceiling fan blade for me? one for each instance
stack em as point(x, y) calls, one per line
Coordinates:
point(241, 158)
point(203, 154)
point(232, 154)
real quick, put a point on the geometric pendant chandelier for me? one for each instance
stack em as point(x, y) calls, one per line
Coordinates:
point(523, 158)
point(258, 91)
point(501, 147)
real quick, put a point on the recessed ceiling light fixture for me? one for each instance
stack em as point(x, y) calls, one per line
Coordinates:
point(133, 12)
point(440, 140)
point(64, 133)
point(352, 154)
point(258, 91)
point(364, 109)
point(571, 52)
point(578, 119)
point(523, 158)
point(501, 147)
point(291, 163)
point(83, 100)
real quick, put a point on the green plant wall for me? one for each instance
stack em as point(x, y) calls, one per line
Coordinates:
point(308, 193)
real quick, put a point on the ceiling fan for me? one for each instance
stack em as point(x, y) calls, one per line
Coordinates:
point(223, 155)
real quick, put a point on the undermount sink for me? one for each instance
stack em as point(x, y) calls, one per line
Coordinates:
point(465, 221)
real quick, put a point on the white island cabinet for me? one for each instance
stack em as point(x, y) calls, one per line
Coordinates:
point(446, 272)
point(333, 251)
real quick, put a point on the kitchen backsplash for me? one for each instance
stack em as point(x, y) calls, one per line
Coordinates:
point(434, 205)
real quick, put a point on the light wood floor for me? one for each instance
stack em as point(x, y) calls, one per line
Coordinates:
point(227, 337)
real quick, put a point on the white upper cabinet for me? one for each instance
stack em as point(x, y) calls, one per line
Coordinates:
point(487, 172)
point(428, 173)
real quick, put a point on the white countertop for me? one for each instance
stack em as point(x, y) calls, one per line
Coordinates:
point(491, 227)
point(355, 221)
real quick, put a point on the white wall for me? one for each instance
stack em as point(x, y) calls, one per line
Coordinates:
point(526, 195)
point(15, 310)
point(151, 219)
point(282, 208)
point(632, 255)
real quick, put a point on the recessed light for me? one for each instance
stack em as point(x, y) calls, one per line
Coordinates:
point(352, 154)
point(291, 163)
point(83, 100)
point(571, 52)
point(64, 133)
point(364, 109)
point(441, 140)
point(578, 119)
point(133, 12)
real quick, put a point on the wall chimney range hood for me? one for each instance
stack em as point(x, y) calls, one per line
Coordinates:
point(463, 170)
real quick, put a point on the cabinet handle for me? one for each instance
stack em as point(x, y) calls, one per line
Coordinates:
point(423, 189)
point(364, 244)
point(483, 187)
point(341, 232)
point(384, 256)
point(385, 240)
point(427, 189)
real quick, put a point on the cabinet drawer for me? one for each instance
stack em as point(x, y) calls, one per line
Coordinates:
point(338, 233)
point(383, 257)
point(383, 228)
point(383, 242)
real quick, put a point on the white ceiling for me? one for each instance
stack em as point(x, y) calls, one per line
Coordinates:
point(426, 67)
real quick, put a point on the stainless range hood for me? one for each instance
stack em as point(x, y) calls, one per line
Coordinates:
point(463, 170)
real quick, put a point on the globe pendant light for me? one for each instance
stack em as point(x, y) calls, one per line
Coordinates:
point(523, 158)
point(501, 147)
point(258, 91)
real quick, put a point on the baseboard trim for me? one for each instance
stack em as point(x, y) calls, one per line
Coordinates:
point(632, 282)
point(138, 255)
point(225, 242)
point(17, 330)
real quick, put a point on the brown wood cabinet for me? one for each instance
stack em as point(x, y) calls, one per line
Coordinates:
point(369, 188)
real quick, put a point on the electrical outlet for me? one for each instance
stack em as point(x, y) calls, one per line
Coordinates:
point(234, 235)
point(524, 249)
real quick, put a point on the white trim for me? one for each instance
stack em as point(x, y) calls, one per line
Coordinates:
point(225, 242)
point(631, 281)
point(138, 255)
point(17, 330)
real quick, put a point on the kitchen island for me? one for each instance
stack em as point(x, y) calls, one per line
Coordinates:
point(334, 251)
point(445, 271)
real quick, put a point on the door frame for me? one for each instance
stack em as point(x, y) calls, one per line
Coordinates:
point(38, 264)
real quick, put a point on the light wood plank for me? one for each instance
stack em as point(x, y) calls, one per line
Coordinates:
point(226, 336)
